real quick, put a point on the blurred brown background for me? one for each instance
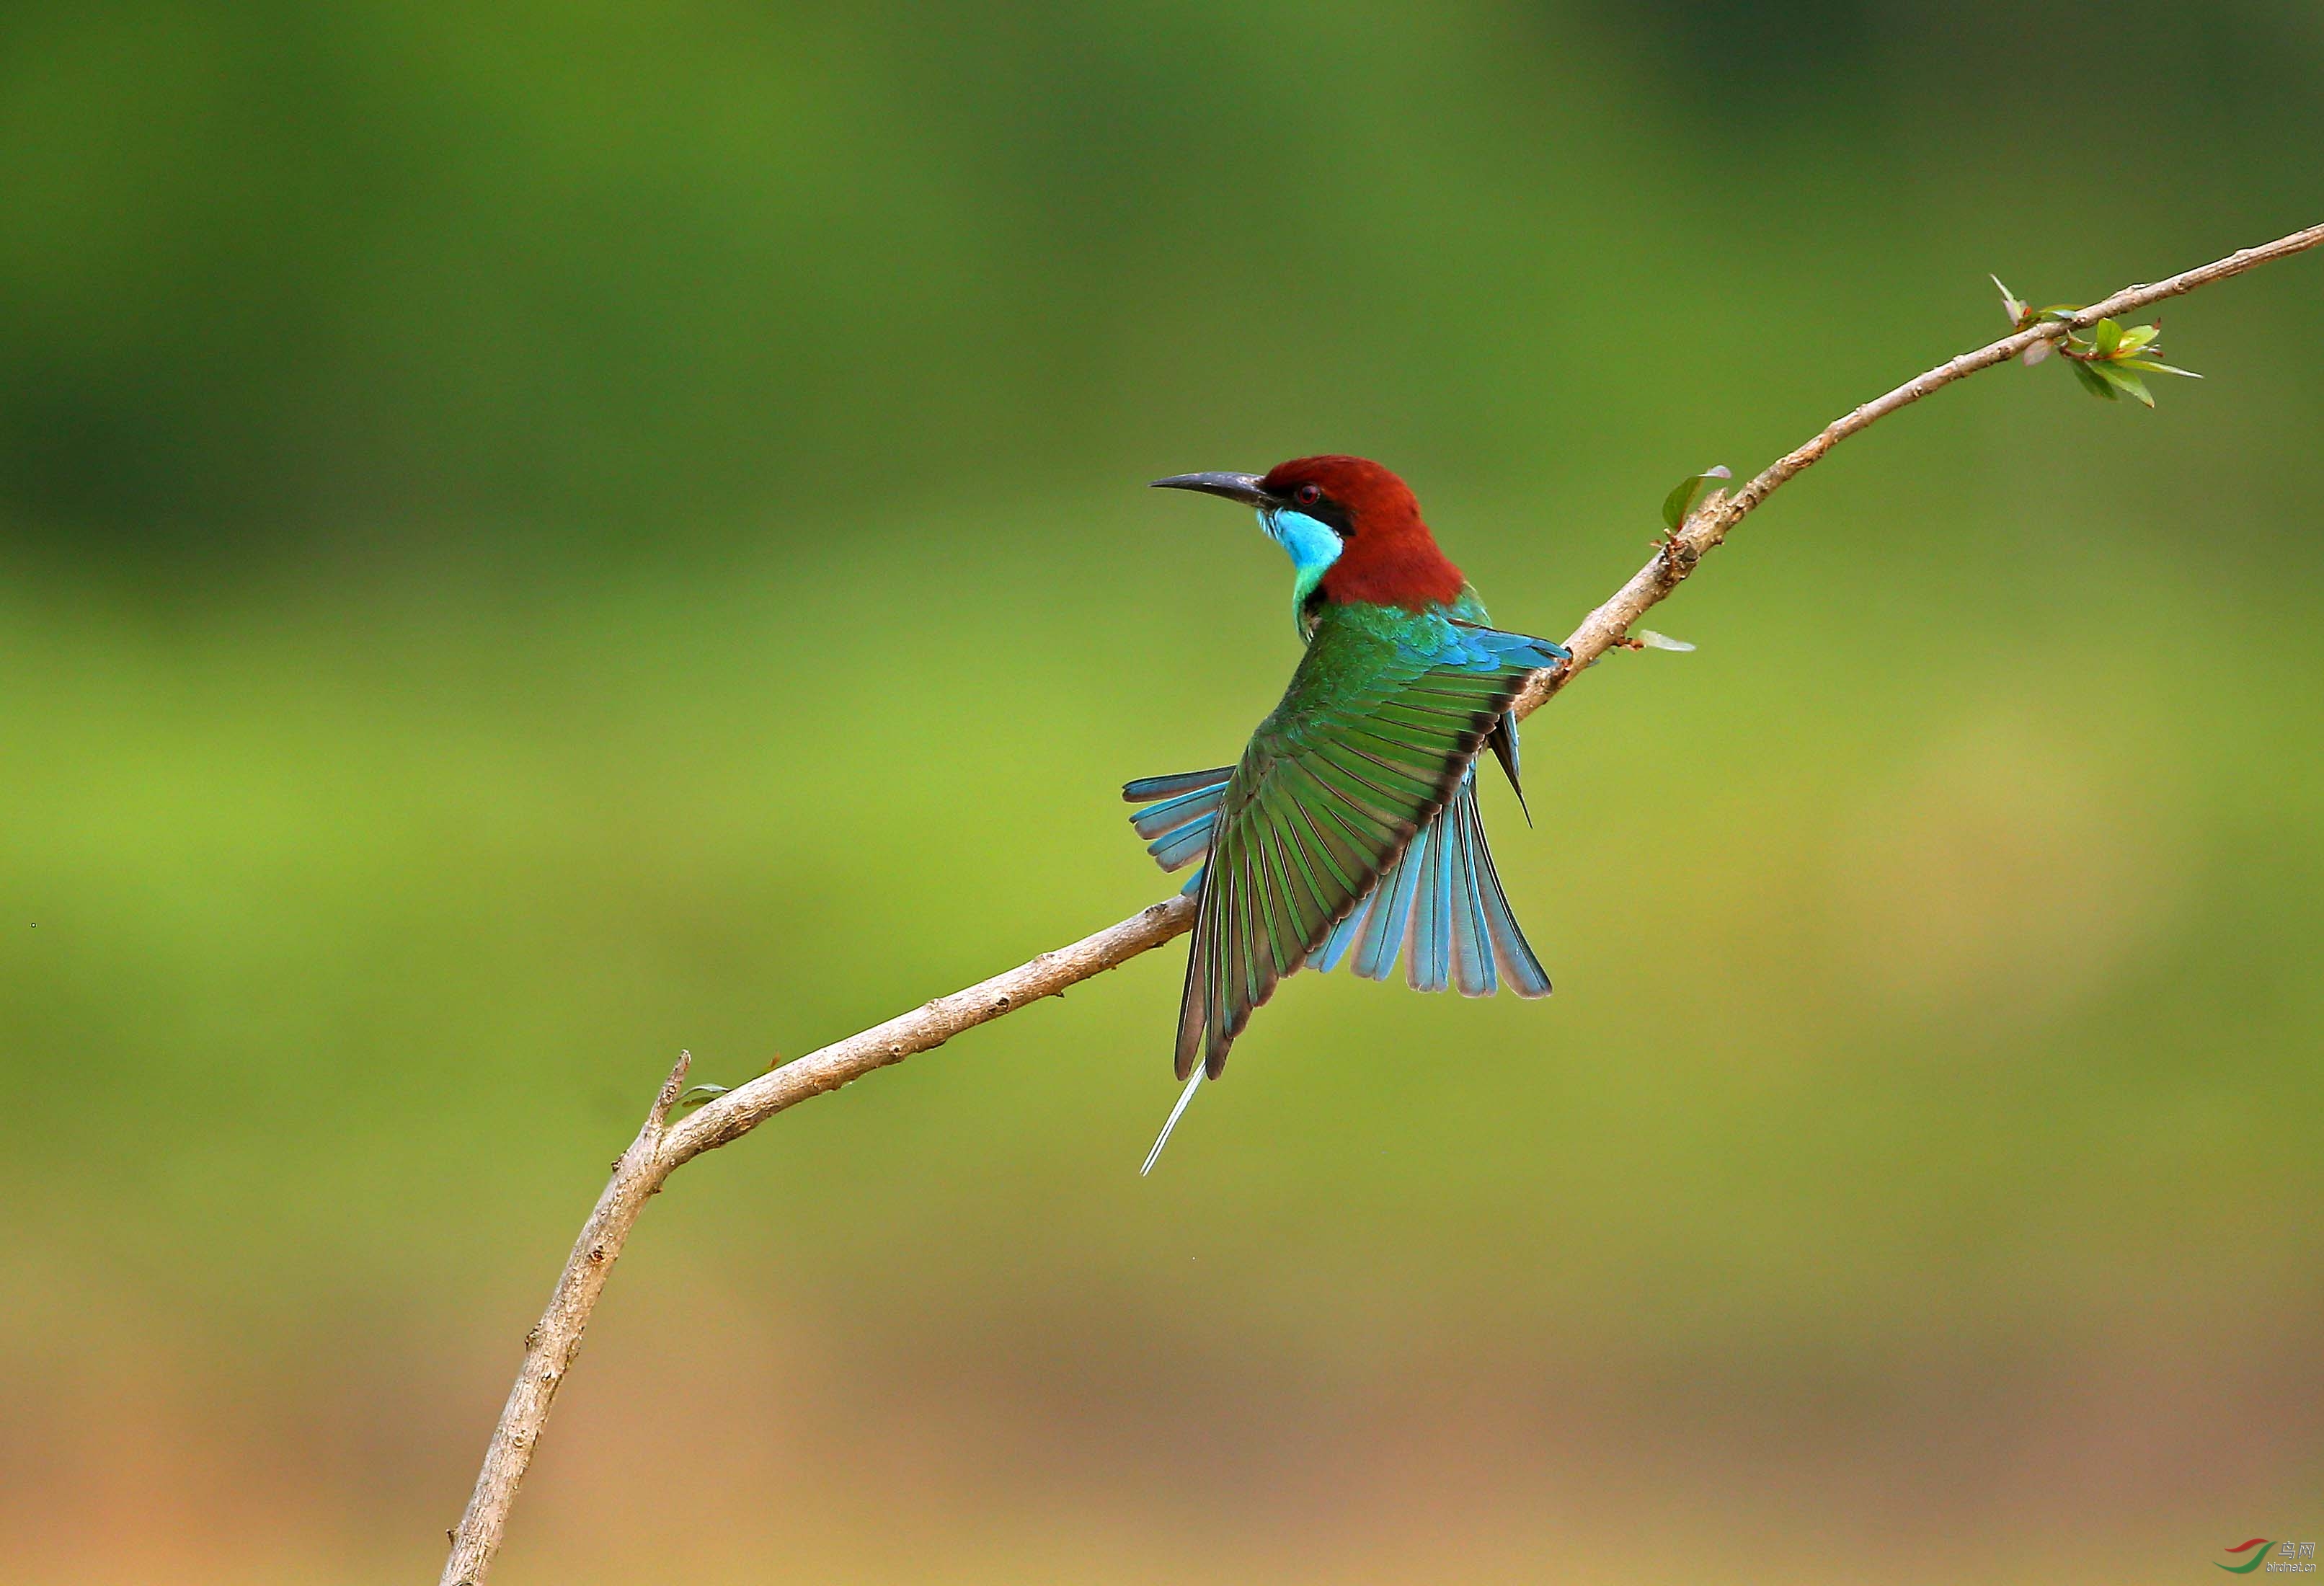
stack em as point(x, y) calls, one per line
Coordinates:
point(532, 536)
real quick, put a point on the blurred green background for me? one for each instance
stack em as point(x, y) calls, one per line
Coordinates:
point(532, 536)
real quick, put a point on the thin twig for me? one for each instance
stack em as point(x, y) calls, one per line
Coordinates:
point(659, 1151)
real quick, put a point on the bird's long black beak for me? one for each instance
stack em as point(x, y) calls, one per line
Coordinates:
point(1242, 487)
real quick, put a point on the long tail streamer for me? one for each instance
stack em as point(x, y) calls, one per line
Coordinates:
point(1163, 1139)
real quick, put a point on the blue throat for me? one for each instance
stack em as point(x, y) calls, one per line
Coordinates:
point(1312, 545)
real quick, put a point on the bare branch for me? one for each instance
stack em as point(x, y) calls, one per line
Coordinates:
point(656, 1152)
point(928, 1025)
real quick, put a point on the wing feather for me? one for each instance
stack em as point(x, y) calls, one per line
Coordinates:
point(1472, 951)
point(1384, 933)
point(1314, 839)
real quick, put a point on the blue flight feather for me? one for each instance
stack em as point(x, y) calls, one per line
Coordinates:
point(1423, 967)
point(1517, 964)
point(1146, 790)
point(1157, 819)
point(1384, 931)
point(1184, 845)
point(1441, 903)
point(1472, 951)
point(1343, 935)
point(1179, 825)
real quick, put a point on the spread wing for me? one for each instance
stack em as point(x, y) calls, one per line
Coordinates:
point(1373, 739)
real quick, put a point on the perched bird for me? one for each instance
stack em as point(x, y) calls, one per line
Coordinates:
point(1349, 824)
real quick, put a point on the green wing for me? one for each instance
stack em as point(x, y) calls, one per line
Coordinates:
point(1378, 725)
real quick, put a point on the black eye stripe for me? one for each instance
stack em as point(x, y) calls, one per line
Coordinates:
point(1324, 510)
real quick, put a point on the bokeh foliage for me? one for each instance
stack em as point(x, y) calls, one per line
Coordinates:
point(531, 536)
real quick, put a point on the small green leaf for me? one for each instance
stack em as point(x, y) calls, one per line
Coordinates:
point(2138, 337)
point(695, 1095)
point(2061, 311)
point(2122, 379)
point(2155, 366)
point(2010, 305)
point(2105, 339)
point(2091, 381)
point(1654, 641)
point(1680, 500)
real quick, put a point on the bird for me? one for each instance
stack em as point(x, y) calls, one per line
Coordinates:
point(1349, 829)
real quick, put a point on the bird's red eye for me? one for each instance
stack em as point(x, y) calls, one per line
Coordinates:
point(1308, 494)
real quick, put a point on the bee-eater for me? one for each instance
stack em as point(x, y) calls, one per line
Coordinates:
point(1351, 821)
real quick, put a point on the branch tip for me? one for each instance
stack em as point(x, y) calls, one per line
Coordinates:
point(672, 1090)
